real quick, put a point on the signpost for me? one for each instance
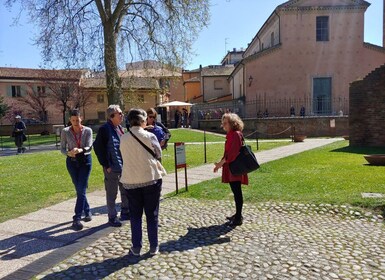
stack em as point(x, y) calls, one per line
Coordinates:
point(180, 162)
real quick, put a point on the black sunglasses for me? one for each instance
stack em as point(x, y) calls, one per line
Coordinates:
point(120, 114)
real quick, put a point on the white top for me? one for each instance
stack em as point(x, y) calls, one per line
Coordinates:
point(139, 166)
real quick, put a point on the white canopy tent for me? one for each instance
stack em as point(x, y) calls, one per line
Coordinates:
point(175, 104)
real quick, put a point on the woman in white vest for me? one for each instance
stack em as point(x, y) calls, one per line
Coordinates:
point(142, 178)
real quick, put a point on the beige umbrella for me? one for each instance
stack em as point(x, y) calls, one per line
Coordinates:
point(175, 104)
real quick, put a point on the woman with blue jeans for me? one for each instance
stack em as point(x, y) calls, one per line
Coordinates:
point(76, 144)
point(142, 178)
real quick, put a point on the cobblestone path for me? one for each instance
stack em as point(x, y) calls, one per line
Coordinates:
point(276, 241)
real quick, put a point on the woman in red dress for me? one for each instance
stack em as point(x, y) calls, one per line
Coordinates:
point(233, 125)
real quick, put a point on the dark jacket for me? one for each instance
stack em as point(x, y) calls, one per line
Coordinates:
point(107, 147)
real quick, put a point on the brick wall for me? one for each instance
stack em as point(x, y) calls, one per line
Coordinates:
point(367, 110)
point(284, 127)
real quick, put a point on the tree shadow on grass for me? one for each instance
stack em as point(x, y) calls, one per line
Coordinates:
point(360, 150)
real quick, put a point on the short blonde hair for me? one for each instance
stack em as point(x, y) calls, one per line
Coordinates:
point(234, 120)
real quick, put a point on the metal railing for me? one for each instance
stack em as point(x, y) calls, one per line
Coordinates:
point(261, 107)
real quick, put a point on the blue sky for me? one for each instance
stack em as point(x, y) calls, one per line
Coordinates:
point(233, 24)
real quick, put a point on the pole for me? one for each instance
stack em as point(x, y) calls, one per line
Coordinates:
point(176, 170)
point(204, 144)
point(185, 177)
point(256, 135)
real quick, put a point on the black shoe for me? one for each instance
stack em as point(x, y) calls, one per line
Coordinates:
point(236, 222)
point(114, 222)
point(230, 218)
point(125, 217)
point(135, 251)
point(88, 218)
point(154, 250)
point(77, 225)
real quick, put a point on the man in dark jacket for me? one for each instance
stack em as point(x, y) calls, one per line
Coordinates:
point(18, 133)
point(107, 149)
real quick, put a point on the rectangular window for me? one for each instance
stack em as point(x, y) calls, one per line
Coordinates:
point(322, 29)
point(16, 91)
point(41, 91)
point(272, 39)
point(218, 85)
point(100, 98)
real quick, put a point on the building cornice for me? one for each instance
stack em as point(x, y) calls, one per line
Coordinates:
point(262, 53)
point(374, 47)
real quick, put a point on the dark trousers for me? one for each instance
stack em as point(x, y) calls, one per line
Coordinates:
point(80, 172)
point(19, 142)
point(111, 185)
point(238, 198)
point(147, 199)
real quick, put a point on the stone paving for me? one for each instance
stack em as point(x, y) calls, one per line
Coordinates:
point(276, 241)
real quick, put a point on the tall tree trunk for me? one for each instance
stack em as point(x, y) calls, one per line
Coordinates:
point(114, 83)
point(64, 115)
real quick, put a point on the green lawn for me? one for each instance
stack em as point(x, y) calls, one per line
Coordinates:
point(33, 181)
point(334, 174)
point(33, 140)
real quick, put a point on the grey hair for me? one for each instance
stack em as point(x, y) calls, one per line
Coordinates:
point(136, 117)
point(111, 110)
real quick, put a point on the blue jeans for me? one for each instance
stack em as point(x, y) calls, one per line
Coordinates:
point(79, 171)
point(147, 199)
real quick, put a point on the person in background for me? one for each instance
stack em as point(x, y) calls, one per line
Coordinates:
point(233, 125)
point(292, 111)
point(177, 117)
point(142, 177)
point(153, 127)
point(185, 118)
point(302, 111)
point(18, 133)
point(76, 144)
point(266, 114)
point(107, 150)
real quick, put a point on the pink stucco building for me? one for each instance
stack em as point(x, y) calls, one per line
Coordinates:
point(306, 54)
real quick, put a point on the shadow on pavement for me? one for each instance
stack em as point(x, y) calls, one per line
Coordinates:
point(105, 268)
point(198, 237)
point(45, 239)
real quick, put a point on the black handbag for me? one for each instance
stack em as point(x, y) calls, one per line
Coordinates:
point(245, 162)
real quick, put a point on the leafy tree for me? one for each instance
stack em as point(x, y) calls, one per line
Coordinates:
point(75, 32)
